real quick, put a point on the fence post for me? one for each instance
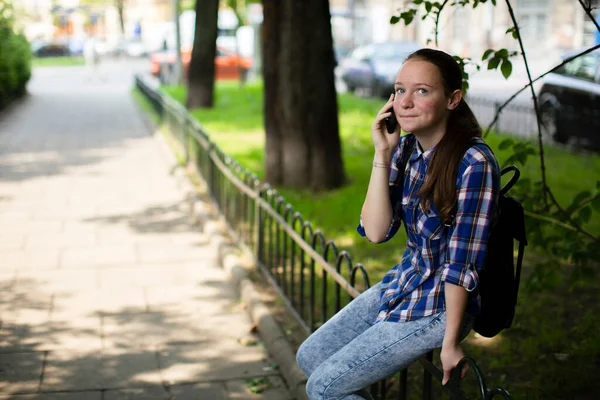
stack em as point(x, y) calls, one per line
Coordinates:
point(260, 228)
point(427, 378)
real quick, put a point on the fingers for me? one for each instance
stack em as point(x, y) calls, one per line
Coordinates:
point(447, 373)
point(446, 377)
point(387, 105)
point(378, 123)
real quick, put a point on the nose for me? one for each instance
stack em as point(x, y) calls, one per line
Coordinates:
point(405, 101)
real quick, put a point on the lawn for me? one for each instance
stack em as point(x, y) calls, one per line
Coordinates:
point(551, 351)
point(57, 61)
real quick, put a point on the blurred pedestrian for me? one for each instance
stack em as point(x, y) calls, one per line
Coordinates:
point(92, 59)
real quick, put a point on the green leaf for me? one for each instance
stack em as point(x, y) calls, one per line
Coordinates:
point(428, 7)
point(505, 144)
point(580, 198)
point(407, 16)
point(596, 205)
point(394, 20)
point(506, 68)
point(487, 54)
point(502, 53)
point(493, 63)
point(513, 32)
point(585, 214)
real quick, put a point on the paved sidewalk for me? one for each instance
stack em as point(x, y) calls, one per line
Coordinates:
point(107, 291)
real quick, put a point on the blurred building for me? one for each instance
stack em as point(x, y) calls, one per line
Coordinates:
point(548, 27)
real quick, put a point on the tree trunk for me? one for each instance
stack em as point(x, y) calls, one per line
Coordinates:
point(271, 47)
point(121, 12)
point(301, 123)
point(201, 71)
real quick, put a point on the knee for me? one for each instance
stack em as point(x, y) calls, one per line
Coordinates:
point(303, 359)
point(315, 389)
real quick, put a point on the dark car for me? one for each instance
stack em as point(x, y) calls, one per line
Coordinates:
point(570, 101)
point(47, 49)
point(374, 67)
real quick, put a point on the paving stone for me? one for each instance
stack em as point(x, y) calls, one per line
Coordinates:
point(100, 370)
point(20, 372)
point(14, 241)
point(219, 359)
point(40, 240)
point(74, 336)
point(199, 391)
point(166, 253)
point(82, 257)
point(153, 393)
point(40, 259)
point(128, 331)
point(96, 395)
point(49, 227)
point(275, 389)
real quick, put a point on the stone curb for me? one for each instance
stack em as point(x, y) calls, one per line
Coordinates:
point(219, 233)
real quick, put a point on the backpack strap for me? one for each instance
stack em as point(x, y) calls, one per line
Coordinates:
point(407, 151)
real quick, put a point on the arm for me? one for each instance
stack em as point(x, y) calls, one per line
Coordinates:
point(456, 303)
point(466, 251)
point(377, 214)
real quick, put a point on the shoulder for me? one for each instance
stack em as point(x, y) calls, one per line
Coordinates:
point(479, 156)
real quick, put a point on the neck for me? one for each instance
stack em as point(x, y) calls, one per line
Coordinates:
point(428, 139)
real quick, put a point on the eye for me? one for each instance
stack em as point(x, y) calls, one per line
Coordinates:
point(400, 90)
point(422, 91)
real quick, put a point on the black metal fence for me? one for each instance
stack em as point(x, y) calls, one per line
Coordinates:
point(517, 119)
point(314, 278)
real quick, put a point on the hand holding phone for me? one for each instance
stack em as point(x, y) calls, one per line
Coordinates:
point(391, 122)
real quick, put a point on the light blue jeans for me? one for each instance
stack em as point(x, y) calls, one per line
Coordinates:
point(350, 352)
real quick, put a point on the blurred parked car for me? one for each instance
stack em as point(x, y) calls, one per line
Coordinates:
point(374, 66)
point(49, 49)
point(228, 64)
point(570, 101)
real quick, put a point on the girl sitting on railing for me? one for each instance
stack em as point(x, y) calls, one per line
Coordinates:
point(444, 188)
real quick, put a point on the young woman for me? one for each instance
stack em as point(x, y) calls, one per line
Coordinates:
point(445, 196)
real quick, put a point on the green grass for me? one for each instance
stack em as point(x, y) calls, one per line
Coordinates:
point(552, 350)
point(57, 61)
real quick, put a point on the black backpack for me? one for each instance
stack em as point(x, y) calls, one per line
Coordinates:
point(498, 280)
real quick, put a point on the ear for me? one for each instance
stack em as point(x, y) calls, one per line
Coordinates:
point(454, 99)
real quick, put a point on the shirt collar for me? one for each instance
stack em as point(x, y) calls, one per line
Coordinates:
point(418, 152)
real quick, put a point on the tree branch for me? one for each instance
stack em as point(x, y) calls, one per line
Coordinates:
point(437, 21)
point(535, 101)
point(588, 11)
point(567, 60)
point(585, 203)
point(569, 219)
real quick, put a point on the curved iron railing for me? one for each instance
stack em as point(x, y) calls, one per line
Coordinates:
point(300, 263)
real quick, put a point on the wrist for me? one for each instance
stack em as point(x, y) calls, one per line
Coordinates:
point(450, 342)
point(383, 157)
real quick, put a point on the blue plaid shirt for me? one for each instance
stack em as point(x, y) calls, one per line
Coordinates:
point(436, 253)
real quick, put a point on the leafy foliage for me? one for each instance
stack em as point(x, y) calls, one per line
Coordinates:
point(15, 59)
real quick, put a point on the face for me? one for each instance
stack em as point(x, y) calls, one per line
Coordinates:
point(420, 103)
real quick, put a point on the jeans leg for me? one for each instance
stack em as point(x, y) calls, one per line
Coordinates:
point(381, 351)
point(351, 321)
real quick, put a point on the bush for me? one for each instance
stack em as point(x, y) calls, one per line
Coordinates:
point(15, 57)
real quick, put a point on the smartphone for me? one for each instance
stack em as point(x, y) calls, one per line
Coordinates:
point(391, 122)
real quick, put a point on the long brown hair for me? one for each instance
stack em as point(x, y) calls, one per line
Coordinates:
point(440, 181)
